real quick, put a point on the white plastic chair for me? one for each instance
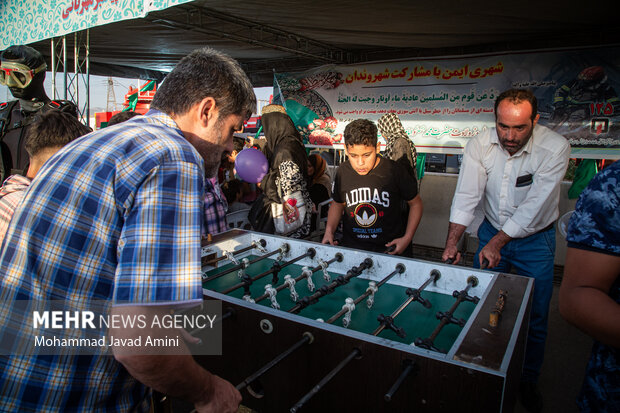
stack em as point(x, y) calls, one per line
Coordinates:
point(331, 172)
point(238, 219)
point(563, 222)
point(321, 221)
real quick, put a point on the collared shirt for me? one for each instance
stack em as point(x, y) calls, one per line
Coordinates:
point(215, 207)
point(11, 194)
point(519, 193)
point(116, 216)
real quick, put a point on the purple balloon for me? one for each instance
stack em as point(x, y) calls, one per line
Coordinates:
point(251, 165)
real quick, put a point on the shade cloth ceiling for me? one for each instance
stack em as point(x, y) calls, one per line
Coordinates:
point(290, 36)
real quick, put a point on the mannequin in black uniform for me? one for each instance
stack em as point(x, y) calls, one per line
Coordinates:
point(22, 70)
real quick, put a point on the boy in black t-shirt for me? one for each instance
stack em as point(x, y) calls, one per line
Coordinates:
point(369, 190)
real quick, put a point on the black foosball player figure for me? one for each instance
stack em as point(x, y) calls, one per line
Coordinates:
point(22, 70)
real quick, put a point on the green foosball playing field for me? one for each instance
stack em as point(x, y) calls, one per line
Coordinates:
point(416, 320)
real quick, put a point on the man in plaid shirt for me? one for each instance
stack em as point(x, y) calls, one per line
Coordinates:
point(117, 216)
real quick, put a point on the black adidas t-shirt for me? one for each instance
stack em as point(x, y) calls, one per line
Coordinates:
point(373, 203)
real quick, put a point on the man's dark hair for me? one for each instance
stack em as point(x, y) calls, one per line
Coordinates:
point(360, 132)
point(122, 117)
point(206, 73)
point(231, 189)
point(517, 96)
point(53, 129)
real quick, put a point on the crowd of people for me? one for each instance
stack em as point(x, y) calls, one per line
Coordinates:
point(138, 197)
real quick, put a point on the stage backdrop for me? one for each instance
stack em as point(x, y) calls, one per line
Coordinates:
point(445, 101)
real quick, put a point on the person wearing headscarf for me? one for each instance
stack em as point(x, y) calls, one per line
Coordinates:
point(398, 146)
point(320, 182)
point(288, 165)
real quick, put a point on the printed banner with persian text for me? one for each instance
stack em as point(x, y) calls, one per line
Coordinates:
point(445, 101)
point(29, 21)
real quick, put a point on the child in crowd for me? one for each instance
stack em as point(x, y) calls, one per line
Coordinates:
point(47, 134)
point(122, 117)
point(233, 191)
point(226, 171)
point(369, 190)
point(320, 183)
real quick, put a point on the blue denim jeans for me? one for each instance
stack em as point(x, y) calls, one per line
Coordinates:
point(532, 256)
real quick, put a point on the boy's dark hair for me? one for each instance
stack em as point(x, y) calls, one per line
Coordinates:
point(122, 117)
point(53, 129)
point(231, 189)
point(238, 144)
point(360, 132)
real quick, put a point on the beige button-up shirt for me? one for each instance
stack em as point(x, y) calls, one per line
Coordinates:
point(521, 192)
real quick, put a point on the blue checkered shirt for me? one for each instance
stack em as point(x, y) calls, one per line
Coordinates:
point(115, 215)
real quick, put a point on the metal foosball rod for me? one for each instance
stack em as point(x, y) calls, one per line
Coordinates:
point(328, 289)
point(409, 367)
point(448, 317)
point(260, 244)
point(322, 266)
point(371, 290)
point(414, 295)
point(307, 338)
point(246, 263)
point(356, 353)
point(275, 269)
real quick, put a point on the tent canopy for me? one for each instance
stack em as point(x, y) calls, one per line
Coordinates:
point(290, 36)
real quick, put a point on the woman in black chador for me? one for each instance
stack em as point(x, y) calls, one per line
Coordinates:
point(286, 183)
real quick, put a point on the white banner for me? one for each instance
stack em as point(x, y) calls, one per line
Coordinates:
point(445, 101)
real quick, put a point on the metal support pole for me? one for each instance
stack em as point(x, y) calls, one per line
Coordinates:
point(81, 75)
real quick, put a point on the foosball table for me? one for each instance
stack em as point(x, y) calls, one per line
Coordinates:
point(309, 327)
